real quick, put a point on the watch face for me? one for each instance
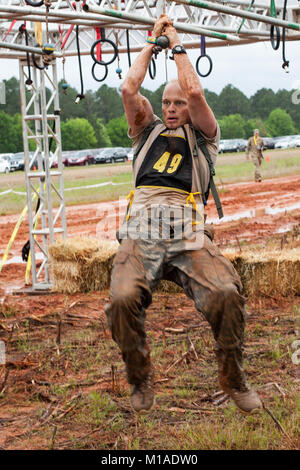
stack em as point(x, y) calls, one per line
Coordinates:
point(178, 48)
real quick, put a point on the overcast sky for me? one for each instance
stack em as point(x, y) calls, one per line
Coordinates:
point(249, 68)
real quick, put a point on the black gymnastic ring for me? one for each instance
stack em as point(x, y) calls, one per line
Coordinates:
point(35, 62)
point(275, 44)
point(34, 4)
point(101, 62)
point(210, 65)
point(152, 74)
point(105, 74)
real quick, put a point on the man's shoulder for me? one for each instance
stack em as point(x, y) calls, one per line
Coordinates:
point(200, 135)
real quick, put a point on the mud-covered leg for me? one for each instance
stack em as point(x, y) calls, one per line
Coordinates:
point(211, 281)
point(130, 296)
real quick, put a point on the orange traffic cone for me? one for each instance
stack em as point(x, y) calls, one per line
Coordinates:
point(268, 158)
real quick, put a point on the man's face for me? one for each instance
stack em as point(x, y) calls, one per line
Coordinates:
point(174, 106)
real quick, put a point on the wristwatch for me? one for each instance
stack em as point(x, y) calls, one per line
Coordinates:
point(179, 49)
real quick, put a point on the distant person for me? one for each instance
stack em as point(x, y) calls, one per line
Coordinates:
point(256, 144)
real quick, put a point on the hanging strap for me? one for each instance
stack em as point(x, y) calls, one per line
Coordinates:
point(146, 133)
point(200, 143)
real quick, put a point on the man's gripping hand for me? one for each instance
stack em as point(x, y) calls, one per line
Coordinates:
point(164, 25)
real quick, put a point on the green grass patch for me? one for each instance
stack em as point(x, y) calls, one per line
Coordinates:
point(243, 171)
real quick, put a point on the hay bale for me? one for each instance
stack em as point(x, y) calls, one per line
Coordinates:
point(271, 273)
point(81, 264)
point(84, 264)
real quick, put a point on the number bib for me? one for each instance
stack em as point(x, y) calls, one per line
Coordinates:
point(167, 163)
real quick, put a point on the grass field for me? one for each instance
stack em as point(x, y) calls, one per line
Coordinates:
point(72, 394)
point(229, 168)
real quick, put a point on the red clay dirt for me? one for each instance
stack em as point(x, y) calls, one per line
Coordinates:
point(249, 216)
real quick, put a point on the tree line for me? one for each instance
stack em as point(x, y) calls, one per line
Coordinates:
point(98, 120)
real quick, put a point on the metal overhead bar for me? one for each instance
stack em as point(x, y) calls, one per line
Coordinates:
point(240, 13)
point(180, 27)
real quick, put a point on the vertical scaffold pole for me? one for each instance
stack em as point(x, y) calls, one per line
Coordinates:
point(41, 123)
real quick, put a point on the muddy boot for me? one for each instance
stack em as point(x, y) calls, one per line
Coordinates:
point(142, 394)
point(232, 381)
point(248, 401)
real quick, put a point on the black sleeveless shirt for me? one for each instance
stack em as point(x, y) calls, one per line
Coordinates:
point(168, 163)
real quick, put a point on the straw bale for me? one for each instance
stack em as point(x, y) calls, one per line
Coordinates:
point(84, 264)
point(273, 273)
point(81, 264)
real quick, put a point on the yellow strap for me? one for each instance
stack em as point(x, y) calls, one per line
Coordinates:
point(38, 33)
point(165, 187)
point(130, 197)
point(191, 199)
point(255, 141)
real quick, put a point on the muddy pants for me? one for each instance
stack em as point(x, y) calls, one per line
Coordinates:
point(257, 163)
point(206, 276)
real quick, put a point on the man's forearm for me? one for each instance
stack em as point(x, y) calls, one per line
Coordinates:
point(187, 76)
point(138, 70)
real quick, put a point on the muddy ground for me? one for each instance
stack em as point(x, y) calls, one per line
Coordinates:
point(64, 386)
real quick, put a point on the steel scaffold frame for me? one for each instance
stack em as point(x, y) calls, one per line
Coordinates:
point(43, 182)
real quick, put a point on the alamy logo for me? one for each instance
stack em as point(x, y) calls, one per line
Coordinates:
point(296, 354)
point(296, 93)
point(2, 353)
point(2, 93)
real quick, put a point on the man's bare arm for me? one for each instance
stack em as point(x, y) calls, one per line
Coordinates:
point(138, 110)
point(201, 114)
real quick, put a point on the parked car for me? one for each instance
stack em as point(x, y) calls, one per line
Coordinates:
point(82, 157)
point(4, 166)
point(269, 142)
point(7, 158)
point(232, 145)
point(111, 155)
point(283, 143)
point(241, 145)
point(17, 161)
point(119, 155)
point(295, 140)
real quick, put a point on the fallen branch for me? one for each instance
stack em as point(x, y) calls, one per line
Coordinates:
point(2, 387)
point(190, 410)
point(280, 427)
point(177, 362)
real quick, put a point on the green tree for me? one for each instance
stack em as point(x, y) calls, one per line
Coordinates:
point(108, 103)
point(232, 101)
point(77, 134)
point(7, 133)
point(102, 136)
point(17, 122)
point(213, 101)
point(288, 100)
point(155, 98)
point(262, 103)
point(255, 123)
point(117, 130)
point(280, 122)
point(232, 127)
point(12, 97)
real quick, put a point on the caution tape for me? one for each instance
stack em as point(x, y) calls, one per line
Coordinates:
point(68, 189)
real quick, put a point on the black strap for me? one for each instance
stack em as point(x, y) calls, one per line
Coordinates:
point(200, 142)
point(146, 133)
